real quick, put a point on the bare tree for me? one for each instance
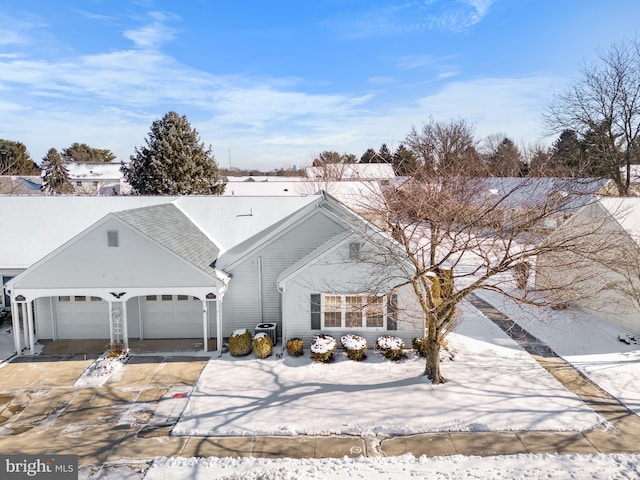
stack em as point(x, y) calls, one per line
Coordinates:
point(460, 234)
point(605, 102)
point(445, 147)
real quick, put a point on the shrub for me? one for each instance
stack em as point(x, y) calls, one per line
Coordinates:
point(323, 348)
point(240, 343)
point(116, 349)
point(391, 347)
point(355, 346)
point(295, 347)
point(419, 344)
point(262, 345)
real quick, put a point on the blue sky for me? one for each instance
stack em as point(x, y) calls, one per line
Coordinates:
point(272, 83)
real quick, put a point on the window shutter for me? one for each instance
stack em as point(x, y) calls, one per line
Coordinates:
point(315, 311)
point(392, 312)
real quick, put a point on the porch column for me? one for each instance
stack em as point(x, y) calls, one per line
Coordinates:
point(32, 336)
point(111, 323)
point(220, 338)
point(25, 327)
point(125, 326)
point(15, 322)
point(205, 325)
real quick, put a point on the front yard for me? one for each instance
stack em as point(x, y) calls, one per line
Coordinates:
point(494, 385)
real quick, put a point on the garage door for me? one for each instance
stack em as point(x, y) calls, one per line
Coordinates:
point(82, 318)
point(171, 316)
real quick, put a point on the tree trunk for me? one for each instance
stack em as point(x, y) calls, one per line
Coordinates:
point(432, 367)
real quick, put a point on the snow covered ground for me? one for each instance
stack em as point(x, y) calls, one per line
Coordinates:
point(494, 385)
point(588, 343)
point(7, 348)
point(556, 467)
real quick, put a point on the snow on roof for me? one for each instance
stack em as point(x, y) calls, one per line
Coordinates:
point(93, 171)
point(229, 221)
point(264, 178)
point(353, 171)
point(626, 211)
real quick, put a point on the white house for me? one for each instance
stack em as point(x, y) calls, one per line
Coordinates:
point(197, 267)
point(97, 178)
point(600, 269)
point(352, 172)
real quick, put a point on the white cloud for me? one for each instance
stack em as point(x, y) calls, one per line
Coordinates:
point(154, 34)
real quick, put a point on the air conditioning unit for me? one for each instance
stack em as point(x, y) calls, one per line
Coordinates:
point(270, 329)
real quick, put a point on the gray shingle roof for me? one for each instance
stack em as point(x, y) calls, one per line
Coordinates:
point(167, 225)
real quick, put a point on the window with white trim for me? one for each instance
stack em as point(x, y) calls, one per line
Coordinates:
point(353, 311)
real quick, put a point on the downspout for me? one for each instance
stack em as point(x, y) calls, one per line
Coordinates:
point(259, 265)
point(205, 325)
point(284, 318)
point(220, 338)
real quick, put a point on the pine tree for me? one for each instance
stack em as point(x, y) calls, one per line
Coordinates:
point(15, 159)
point(56, 176)
point(82, 153)
point(173, 162)
point(384, 154)
point(405, 162)
point(369, 156)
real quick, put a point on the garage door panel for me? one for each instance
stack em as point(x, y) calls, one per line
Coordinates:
point(171, 318)
point(82, 319)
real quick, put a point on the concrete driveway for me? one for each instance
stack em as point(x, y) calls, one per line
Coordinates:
point(41, 412)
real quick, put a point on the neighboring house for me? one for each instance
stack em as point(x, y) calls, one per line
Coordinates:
point(352, 171)
point(97, 178)
point(600, 271)
point(197, 267)
point(20, 185)
point(357, 195)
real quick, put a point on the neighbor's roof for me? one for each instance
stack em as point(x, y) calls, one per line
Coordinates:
point(35, 226)
point(353, 171)
point(626, 211)
point(20, 185)
point(93, 171)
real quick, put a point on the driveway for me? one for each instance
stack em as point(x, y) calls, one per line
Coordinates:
point(41, 412)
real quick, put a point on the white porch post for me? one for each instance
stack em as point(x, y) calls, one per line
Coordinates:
point(219, 324)
point(111, 323)
point(15, 321)
point(125, 326)
point(25, 327)
point(205, 325)
point(32, 337)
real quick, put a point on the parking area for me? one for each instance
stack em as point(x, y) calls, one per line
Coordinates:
point(41, 412)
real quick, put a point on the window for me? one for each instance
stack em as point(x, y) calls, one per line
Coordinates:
point(112, 238)
point(79, 298)
point(64, 298)
point(96, 299)
point(353, 311)
point(151, 298)
point(167, 298)
point(354, 251)
point(183, 297)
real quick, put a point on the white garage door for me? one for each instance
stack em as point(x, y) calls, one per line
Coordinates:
point(171, 316)
point(82, 318)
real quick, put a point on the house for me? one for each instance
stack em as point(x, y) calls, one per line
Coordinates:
point(352, 172)
point(120, 268)
point(97, 178)
point(20, 185)
point(599, 271)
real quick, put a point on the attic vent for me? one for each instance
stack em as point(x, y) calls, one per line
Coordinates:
point(354, 251)
point(112, 238)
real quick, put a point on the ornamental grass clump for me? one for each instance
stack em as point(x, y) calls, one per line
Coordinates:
point(323, 348)
point(240, 343)
point(295, 347)
point(391, 347)
point(262, 345)
point(355, 346)
point(419, 344)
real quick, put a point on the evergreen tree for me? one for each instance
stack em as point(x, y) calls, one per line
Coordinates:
point(173, 161)
point(83, 153)
point(369, 156)
point(15, 159)
point(506, 160)
point(384, 154)
point(567, 154)
point(56, 176)
point(405, 162)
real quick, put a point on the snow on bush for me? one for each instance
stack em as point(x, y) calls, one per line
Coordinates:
point(355, 346)
point(391, 347)
point(262, 345)
point(239, 332)
point(323, 347)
